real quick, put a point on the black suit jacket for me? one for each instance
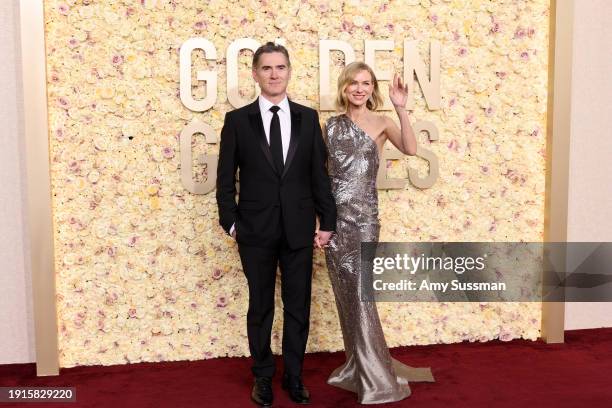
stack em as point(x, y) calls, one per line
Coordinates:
point(266, 198)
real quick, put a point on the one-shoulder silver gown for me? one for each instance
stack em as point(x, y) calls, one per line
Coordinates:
point(369, 370)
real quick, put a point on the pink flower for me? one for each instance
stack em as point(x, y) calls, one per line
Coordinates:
point(515, 177)
point(505, 335)
point(469, 119)
point(63, 9)
point(117, 60)
point(524, 55)
point(132, 241)
point(168, 152)
point(217, 274)
point(221, 301)
point(79, 319)
point(347, 26)
point(493, 226)
point(519, 33)
point(63, 102)
point(111, 298)
point(462, 52)
point(73, 43)
point(74, 167)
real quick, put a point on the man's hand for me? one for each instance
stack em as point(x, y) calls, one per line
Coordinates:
point(321, 239)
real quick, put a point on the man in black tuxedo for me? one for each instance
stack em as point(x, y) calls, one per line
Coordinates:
point(278, 147)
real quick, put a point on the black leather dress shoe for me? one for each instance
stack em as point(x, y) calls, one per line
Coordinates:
point(297, 392)
point(262, 391)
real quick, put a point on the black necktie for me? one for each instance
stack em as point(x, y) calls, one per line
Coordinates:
point(276, 144)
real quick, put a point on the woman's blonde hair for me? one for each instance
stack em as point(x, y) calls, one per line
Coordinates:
point(346, 77)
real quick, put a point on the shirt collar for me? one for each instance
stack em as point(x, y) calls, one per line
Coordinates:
point(265, 105)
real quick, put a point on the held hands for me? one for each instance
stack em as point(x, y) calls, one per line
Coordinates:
point(398, 92)
point(321, 239)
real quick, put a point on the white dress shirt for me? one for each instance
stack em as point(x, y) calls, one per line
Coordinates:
point(284, 116)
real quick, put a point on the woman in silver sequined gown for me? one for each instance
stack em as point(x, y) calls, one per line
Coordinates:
point(353, 162)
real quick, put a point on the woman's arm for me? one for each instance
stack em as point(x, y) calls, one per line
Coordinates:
point(404, 138)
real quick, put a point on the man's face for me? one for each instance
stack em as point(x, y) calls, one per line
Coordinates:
point(272, 74)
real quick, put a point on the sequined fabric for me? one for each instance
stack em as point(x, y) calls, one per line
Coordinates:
point(369, 370)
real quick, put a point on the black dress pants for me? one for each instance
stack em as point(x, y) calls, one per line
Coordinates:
point(260, 265)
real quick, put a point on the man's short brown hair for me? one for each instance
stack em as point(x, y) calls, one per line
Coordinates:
point(268, 48)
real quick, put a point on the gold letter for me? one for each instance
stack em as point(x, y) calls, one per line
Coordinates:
point(210, 53)
point(233, 96)
point(428, 155)
point(195, 126)
point(382, 181)
point(413, 64)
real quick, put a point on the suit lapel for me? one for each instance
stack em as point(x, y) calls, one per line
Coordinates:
point(296, 124)
point(260, 134)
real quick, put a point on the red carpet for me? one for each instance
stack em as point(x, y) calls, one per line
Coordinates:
point(513, 374)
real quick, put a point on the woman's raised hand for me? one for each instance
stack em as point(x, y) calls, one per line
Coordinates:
point(398, 92)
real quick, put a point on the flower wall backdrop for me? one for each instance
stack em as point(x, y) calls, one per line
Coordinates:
point(144, 272)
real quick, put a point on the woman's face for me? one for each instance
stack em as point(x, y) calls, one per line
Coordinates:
point(360, 88)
